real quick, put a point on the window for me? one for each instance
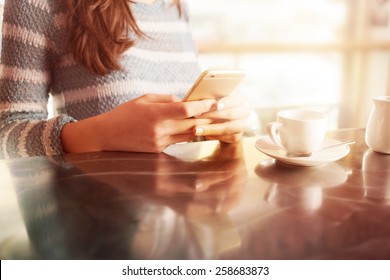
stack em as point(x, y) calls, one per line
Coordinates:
point(329, 54)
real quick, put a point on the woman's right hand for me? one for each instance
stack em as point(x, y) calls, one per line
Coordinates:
point(148, 123)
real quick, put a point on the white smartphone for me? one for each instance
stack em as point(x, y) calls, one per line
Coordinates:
point(215, 84)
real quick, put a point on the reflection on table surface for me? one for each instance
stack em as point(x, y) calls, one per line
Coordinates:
point(202, 200)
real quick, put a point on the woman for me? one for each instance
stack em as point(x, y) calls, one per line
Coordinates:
point(116, 70)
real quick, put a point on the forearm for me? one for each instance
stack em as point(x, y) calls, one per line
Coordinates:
point(146, 124)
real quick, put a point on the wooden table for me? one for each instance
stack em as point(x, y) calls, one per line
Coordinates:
point(203, 201)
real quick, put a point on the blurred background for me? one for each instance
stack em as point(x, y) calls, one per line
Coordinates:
point(331, 55)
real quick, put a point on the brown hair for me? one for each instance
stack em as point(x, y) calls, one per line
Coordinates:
point(99, 32)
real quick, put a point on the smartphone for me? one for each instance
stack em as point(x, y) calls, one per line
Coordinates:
point(215, 84)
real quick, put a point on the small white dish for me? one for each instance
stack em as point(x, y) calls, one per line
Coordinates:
point(265, 145)
point(192, 151)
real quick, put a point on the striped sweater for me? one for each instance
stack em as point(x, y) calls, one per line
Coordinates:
point(36, 64)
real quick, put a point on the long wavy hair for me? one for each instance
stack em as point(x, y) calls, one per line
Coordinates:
point(100, 32)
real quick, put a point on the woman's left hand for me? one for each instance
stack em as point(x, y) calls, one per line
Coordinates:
point(229, 120)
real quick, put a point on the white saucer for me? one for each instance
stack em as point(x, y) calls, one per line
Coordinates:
point(265, 145)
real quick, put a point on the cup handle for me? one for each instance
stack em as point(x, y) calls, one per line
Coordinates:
point(273, 133)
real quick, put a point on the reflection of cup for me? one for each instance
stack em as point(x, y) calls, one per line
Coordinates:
point(376, 175)
point(291, 184)
point(299, 132)
point(309, 198)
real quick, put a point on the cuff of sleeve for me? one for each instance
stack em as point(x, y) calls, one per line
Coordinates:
point(52, 134)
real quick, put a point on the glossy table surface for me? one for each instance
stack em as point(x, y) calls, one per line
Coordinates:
point(204, 200)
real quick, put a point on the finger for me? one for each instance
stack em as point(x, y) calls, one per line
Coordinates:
point(184, 110)
point(234, 113)
point(225, 128)
point(172, 127)
point(159, 98)
point(229, 101)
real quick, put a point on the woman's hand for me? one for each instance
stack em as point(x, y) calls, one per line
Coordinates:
point(228, 120)
point(149, 123)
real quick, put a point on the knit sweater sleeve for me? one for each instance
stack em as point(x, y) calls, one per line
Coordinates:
point(28, 56)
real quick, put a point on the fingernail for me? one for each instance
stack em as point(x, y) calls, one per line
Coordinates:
point(199, 131)
point(220, 106)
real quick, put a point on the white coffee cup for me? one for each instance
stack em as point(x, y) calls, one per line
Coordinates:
point(298, 132)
